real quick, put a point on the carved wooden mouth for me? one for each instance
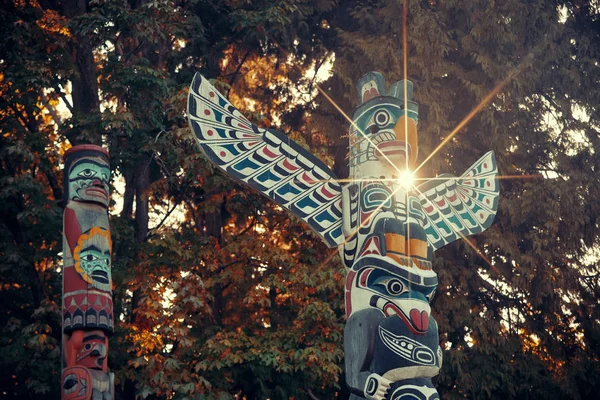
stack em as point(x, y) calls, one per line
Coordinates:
point(392, 147)
point(100, 381)
point(96, 191)
point(417, 321)
point(100, 276)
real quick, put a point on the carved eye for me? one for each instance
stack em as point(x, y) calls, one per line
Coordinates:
point(88, 346)
point(90, 257)
point(70, 383)
point(394, 286)
point(87, 173)
point(382, 118)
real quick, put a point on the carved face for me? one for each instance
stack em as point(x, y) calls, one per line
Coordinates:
point(378, 139)
point(88, 180)
point(76, 383)
point(92, 258)
point(383, 136)
point(392, 272)
point(372, 135)
point(93, 350)
point(394, 291)
point(370, 89)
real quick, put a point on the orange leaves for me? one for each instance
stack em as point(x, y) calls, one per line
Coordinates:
point(145, 342)
point(53, 23)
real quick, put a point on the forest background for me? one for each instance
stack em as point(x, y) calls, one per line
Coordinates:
point(222, 295)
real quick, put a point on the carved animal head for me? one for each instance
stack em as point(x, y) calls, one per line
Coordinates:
point(380, 133)
point(392, 273)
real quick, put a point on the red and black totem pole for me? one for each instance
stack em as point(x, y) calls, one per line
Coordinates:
point(87, 284)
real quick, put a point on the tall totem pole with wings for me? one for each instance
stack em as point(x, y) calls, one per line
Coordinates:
point(386, 229)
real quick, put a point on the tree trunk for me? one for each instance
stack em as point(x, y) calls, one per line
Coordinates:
point(84, 83)
point(138, 183)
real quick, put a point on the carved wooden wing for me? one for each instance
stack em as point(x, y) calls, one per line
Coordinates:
point(458, 207)
point(266, 160)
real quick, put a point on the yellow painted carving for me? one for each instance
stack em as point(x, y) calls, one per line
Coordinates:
point(97, 234)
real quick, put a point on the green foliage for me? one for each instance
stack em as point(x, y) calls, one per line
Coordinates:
point(220, 294)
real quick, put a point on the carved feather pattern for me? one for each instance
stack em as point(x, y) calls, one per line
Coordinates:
point(463, 206)
point(266, 160)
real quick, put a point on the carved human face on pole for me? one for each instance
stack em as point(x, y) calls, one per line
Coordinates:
point(92, 258)
point(88, 180)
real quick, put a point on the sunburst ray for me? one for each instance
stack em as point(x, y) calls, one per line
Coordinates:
point(484, 102)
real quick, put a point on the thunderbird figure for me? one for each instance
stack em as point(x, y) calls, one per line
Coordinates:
point(386, 230)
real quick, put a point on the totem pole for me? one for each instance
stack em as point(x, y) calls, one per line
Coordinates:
point(386, 229)
point(87, 285)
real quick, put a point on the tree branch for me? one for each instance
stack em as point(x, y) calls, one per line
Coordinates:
point(169, 212)
point(237, 71)
point(310, 394)
point(63, 97)
point(51, 110)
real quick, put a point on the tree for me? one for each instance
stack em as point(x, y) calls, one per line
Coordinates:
point(219, 293)
point(122, 69)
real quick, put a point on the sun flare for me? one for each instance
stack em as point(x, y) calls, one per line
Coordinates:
point(406, 179)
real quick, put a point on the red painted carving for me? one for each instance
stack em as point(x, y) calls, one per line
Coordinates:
point(87, 283)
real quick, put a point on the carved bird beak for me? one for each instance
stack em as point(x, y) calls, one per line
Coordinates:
point(406, 131)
